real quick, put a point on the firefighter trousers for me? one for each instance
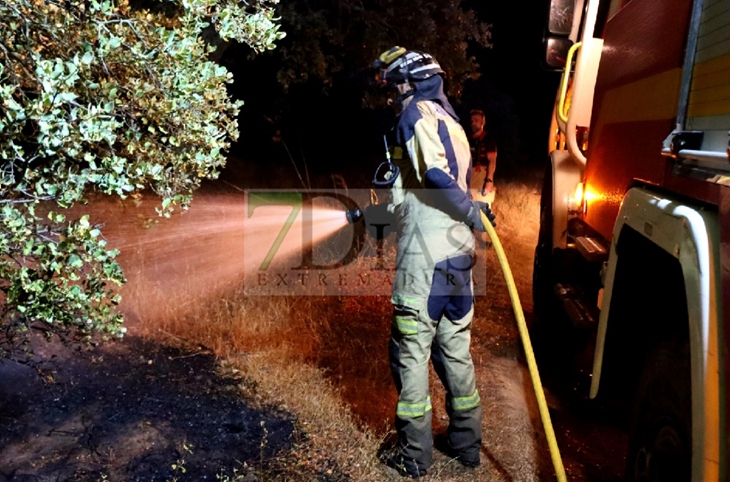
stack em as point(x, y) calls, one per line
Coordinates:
point(416, 338)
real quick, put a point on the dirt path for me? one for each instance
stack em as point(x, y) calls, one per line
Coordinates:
point(591, 442)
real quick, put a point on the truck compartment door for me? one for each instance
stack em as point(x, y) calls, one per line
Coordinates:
point(700, 141)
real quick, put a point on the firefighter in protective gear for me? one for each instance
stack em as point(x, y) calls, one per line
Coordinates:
point(432, 292)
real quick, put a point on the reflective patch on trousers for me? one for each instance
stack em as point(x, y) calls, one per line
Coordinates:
point(451, 293)
point(406, 326)
point(413, 410)
point(466, 403)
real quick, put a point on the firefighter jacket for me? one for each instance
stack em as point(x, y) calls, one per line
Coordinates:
point(430, 199)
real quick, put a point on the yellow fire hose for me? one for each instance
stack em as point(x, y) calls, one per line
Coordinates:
point(531, 364)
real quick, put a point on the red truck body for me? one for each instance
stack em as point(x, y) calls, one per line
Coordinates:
point(634, 242)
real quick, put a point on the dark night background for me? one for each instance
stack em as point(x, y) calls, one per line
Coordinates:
point(514, 90)
point(333, 134)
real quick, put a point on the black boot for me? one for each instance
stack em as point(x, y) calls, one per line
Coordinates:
point(405, 467)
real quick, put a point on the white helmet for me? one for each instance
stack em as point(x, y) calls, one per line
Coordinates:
point(398, 66)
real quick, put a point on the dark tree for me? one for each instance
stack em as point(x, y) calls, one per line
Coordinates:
point(330, 38)
point(321, 70)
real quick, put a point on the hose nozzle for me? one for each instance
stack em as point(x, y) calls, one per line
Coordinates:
point(353, 215)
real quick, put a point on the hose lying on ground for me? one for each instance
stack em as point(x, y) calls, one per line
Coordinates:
point(527, 345)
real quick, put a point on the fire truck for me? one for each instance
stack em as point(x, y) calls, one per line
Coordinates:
point(634, 240)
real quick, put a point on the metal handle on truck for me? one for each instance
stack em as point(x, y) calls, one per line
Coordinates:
point(562, 113)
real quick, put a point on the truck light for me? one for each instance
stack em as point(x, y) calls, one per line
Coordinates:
point(588, 196)
point(576, 201)
point(579, 200)
point(578, 194)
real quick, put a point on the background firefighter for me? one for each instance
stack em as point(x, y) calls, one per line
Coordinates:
point(484, 158)
point(432, 289)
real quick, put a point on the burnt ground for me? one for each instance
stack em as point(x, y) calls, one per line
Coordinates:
point(135, 411)
point(154, 411)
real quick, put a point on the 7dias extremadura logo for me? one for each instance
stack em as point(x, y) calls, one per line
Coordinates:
point(333, 243)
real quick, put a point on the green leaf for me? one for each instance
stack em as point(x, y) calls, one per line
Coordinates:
point(87, 58)
point(75, 262)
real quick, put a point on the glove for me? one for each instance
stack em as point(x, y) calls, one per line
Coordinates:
point(474, 218)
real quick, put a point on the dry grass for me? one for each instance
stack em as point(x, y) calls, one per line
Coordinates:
point(324, 358)
point(517, 206)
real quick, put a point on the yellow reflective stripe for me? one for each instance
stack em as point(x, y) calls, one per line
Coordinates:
point(391, 54)
point(405, 301)
point(406, 325)
point(465, 403)
point(413, 409)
